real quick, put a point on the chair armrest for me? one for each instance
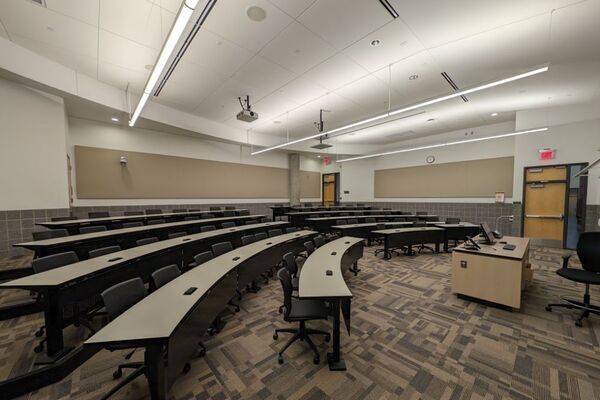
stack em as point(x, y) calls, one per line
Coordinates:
point(566, 260)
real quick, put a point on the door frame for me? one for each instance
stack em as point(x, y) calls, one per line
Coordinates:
point(567, 183)
point(336, 176)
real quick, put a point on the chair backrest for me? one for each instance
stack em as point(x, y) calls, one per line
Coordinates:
point(141, 242)
point(289, 263)
point(319, 241)
point(274, 232)
point(215, 208)
point(309, 247)
point(286, 285)
point(203, 257)
point(433, 219)
point(104, 251)
point(92, 229)
point(411, 219)
point(260, 236)
point(588, 251)
point(153, 211)
point(340, 222)
point(133, 224)
point(57, 219)
point(156, 221)
point(207, 228)
point(244, 212)
point(42, 264)
point(49, 234)
point(207, 216)
point(452, 220)
point(421, 213)
point(380, 226)
point(230, 207)
point(265, 219)
point(191, 218)
point(227, 225)
point(420, 224)
point(352, 221)
point(179, 210)
point(291, 229)
point(247, 239)
point(229, 213)
point(176, 235)
point(344, 214)
point(400, 219)
point(118, 298)
point(98, 214)
point(164, 275)
point(251, 222)
point(133, 213)
point(359, 205)
point(308, 204)
point(221, 248)
point(370, 220)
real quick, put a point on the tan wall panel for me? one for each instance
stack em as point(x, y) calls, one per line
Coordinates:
point(99, 175)
point(310, 185)
point(478, 178)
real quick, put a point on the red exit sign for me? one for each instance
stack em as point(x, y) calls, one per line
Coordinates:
point(547, 154)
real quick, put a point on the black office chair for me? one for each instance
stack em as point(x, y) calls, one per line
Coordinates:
point(215, 208)
point(252, 222)
point(226, 225)
point(131, 213)
point(301, 311)
point(58, 219)
point(134, 224)
point(151, 211)
point(289, 263)
point(309, 247)
point(379, 227)
point(352, 221)
point(164, 275)
point(145, 241)
point(422, 246)
point(370, 220)
point(421, 213)
point(156, 221)
point(179, 210)
point(98, 214)
point(247, 239)
point(419, 224)
point(588, 251)
point(340, 222)
point(92, 229)
point(308, 204)
point(452, 220)
point(207, 216)
point(344, 214)
point(176, 235)
point(229, 213)
point(291, 229)
point(207, 228)
point(221, 248)
point(229, 207)
point(201, 258)
point(265, 219)
point(117, 299)
point(261, 236)
point(243, 212)
point(49, 234)
point(399, 219)
point(104, 251)
point(191, 218)
point(319, 241)
point(411, 219)
point(274, 232)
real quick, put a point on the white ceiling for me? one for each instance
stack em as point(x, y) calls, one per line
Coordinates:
point(313, 54)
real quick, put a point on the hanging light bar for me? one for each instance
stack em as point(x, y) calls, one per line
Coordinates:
point(410, 108)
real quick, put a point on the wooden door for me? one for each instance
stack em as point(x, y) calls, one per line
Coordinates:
point(329, 189)
point(544, 204)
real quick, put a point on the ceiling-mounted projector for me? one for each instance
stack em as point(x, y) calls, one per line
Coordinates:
point(246, 115)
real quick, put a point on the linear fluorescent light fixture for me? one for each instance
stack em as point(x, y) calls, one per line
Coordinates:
point(411, 107)
point(386, 4)
point(181, 21)
point(433, 146)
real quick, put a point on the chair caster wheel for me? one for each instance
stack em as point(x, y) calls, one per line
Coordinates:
point(39, 333)
point(187, 367)
point(317, 360)
point(281, 310)
point(579, 323)
point(39, 348)
point(548, 308)
point(202, 353)
point(275, 336)
point(280, 359)
point(239, 297)
point(117, 374)
point(237, 309)
point(328, 338)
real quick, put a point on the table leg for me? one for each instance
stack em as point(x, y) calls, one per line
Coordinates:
point(386, 249)
point(53, 318)
point(446, 242)
point(437, 246)
point(155, 371)
point(336, 363)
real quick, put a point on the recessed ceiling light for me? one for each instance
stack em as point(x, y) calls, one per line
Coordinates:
point(114, 119)
point(413, 77)
point(494, 114)
point(375, 43)
point(148, 67)
point(318, 156)
point(256, 13)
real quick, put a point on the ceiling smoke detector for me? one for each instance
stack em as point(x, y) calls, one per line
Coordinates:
point(375, 43)
point(256, 13)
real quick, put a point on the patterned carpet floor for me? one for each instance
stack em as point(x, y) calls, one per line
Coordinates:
point(411, 339)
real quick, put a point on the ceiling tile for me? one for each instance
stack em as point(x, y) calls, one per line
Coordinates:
point(83, 10)
point(214, 52)
point(297, 49)
point(342, 22)
point(576, 33)
point(336, 72)
point(369, 92)
point(302, 90)
point(292, 7)
point(275, 104)
point(120, 77)
point(169, 5)
point(125, 53)
point(229, 20)
point(223, 103)
point(263, 76)
point(397, 43)
point(137, 20)
point(3, 32)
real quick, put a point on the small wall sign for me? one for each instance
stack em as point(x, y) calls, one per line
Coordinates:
point(499, 197)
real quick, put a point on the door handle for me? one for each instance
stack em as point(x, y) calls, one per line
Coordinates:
point(559, 216)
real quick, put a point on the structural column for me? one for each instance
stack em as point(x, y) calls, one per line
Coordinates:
point(294, 177)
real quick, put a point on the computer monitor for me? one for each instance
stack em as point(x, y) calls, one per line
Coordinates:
point(488, 235)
